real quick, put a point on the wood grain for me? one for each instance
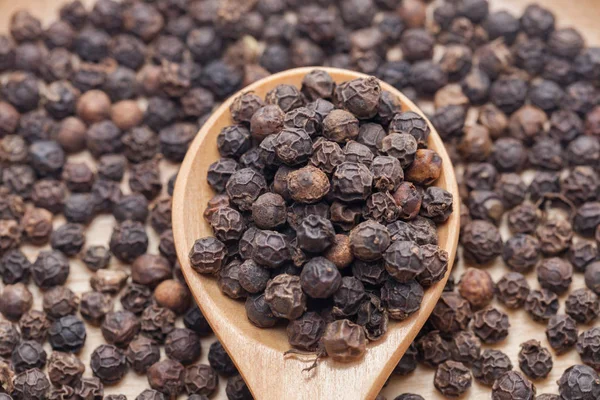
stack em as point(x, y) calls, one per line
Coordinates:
point(254, 350)
point(582, 14)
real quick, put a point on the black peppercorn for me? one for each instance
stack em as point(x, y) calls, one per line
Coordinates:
point(579, 381)
point(67, 334)
point(108, 363)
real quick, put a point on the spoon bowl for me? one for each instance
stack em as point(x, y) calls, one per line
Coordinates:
point(258, 353)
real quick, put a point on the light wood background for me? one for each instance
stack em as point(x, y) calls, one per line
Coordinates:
point(582, 14)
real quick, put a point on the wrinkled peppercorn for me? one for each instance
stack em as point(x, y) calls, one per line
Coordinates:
point(541, 304)
point(64, 368)
point(452, 378)
point(587, 347)
point(481, 242)
point(120, 327)
point(34, 325)
point(512, 289)
point(579, 381)
point(30, 384)
point(108, 363)
point(432, 349)
point(534, 360)
point(157, 322)
point(451, 314)
point(512, 384)
point(67, 334)
point(477, 287)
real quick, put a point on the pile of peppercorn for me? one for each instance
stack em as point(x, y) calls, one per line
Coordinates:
point(72, 83)
point(325, 216)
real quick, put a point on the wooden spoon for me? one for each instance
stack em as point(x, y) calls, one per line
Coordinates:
point(258, 353)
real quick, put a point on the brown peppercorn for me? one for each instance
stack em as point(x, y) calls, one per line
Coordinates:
point(285, 296)
point(381, 207)
point(409, 200)
point(252, 277)
point(207, 255)
point(512, 384)
point(403, 260)
point(167, 376)
point(34, 325)
point(340, 253)
point(534, 360)
point(320, 278)
point(9, 338)
point(402, 146)
point(93, 106)
point(425, 169)
point(512, 290)
point(408, 362)
point(126, 114)
point(64, 368)
point(490, 325)
point(351, 182)
point(173, 295)
point(344, 341)
point(244, 187)
point(108, 281)
point(15, 301)
point(268, 248)
point(387, 173)
point(308, 184)
point(477, 287)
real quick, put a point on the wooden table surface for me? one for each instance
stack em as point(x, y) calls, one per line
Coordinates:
point(582, 14)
